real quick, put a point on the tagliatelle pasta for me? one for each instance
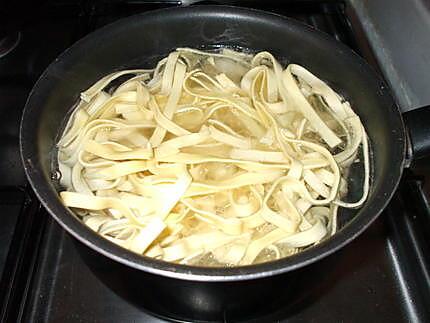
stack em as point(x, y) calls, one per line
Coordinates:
point(212, 159)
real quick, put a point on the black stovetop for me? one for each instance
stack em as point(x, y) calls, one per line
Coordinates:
point(382, 276)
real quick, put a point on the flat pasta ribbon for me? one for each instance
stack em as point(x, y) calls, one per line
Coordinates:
point(212, 158)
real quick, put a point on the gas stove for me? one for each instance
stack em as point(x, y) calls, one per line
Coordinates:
point(383, 275)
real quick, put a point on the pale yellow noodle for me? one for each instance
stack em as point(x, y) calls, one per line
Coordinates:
point(217, 156)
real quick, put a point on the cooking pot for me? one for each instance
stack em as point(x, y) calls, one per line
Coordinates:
point(198, 293)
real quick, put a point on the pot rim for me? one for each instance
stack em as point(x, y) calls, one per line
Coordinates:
point(78, 230)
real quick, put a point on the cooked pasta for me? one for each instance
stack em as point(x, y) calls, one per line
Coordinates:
point(213, 159)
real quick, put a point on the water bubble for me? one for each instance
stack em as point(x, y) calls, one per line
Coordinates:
point(56, 175)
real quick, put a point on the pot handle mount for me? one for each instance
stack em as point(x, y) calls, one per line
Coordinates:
point(417, 123)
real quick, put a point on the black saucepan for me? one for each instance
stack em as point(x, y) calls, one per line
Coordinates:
point(141, 40)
